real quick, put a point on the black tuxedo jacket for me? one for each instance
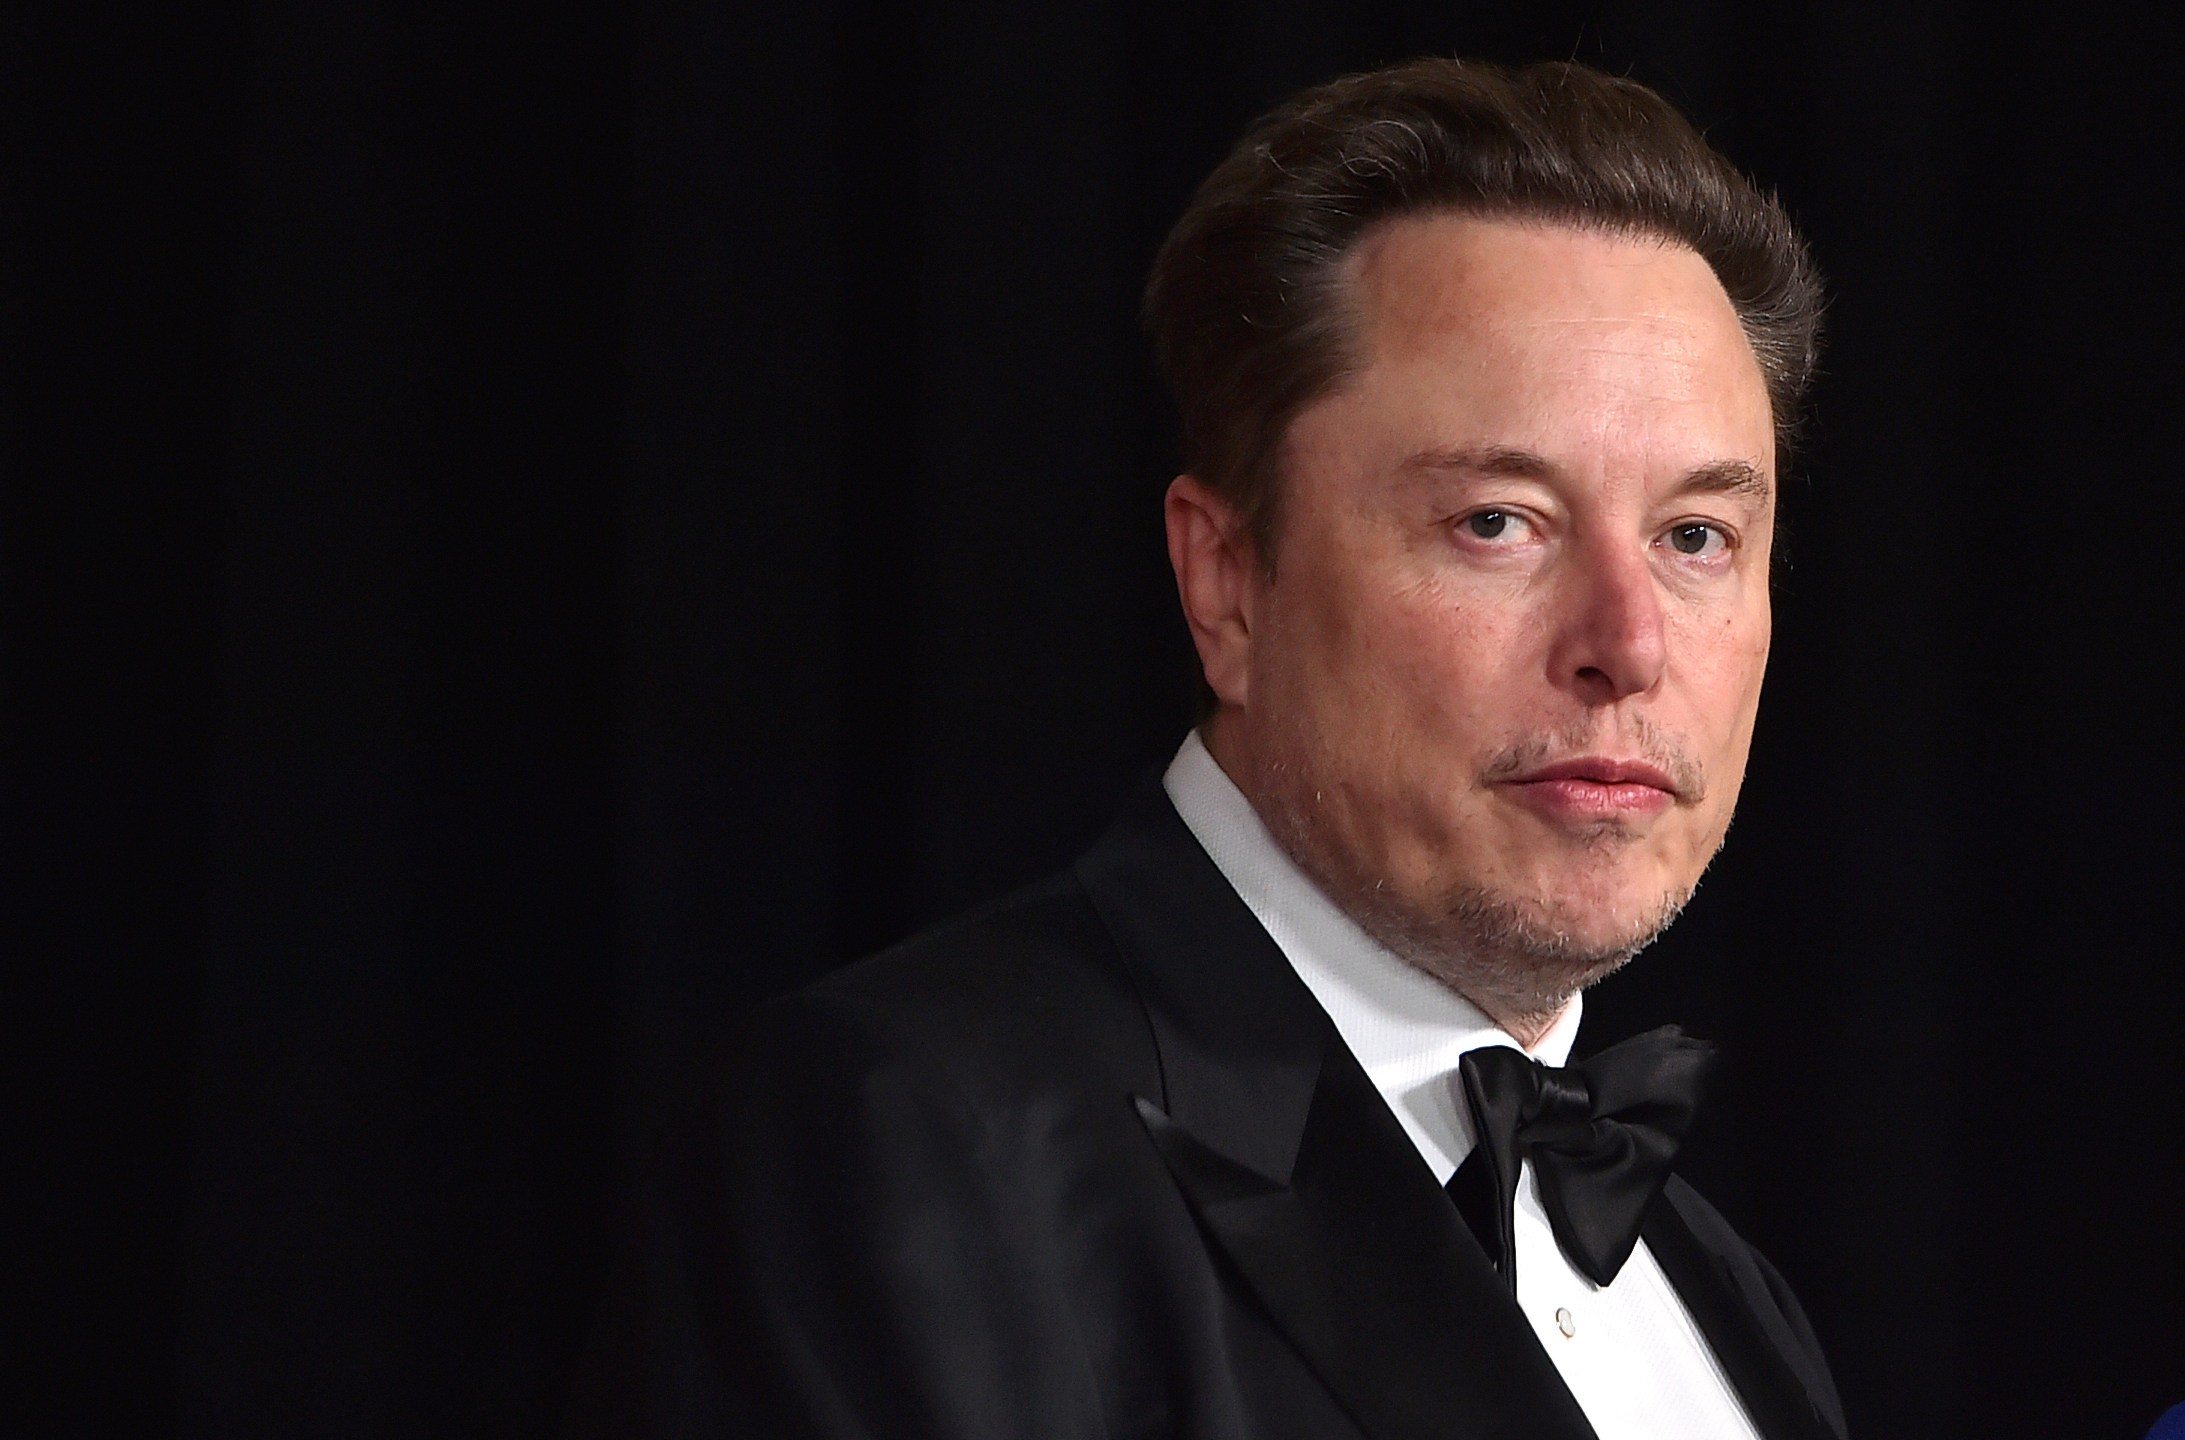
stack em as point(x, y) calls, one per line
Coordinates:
point(1093, 1162)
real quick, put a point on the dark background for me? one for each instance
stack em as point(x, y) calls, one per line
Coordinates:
point(526, 527)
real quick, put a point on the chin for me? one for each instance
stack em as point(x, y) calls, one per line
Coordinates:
point(1516, 950)
point(1613, 938)
point(1606, 891)
point(1518, 957)
point(1583, 927)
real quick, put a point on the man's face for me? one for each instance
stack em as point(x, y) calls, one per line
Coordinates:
point(1498, 692)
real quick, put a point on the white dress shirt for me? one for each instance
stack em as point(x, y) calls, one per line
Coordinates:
point(1629, 1350)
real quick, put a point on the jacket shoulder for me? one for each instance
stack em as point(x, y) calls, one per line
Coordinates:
point(1020, 995)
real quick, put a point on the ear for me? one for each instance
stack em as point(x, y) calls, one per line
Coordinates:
point(1217, 572)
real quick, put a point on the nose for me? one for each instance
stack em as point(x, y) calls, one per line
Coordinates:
point(1611, 641)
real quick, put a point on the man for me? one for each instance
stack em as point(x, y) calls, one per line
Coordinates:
point(1230, 1130)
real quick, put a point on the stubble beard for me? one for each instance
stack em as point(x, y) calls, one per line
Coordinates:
point(1517, 958)
point(1518, 963)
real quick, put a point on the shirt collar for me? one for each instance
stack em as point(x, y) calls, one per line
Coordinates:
point(1406, 1028)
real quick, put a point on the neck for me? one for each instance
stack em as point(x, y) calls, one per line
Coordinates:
point(1527, 1027)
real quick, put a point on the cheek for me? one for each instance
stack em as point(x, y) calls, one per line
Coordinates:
point(1727, 661)
point(1414, 673)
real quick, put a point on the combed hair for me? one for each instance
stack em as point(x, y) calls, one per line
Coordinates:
point(1245, 304)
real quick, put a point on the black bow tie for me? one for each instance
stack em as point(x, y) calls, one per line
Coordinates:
point(1600, 1135)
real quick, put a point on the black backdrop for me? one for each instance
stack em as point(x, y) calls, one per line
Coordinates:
point(527, 526)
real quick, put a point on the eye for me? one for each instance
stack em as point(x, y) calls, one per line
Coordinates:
point(1492, 524)
point(1697, 539)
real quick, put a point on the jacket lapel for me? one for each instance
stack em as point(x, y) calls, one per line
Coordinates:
point(1299, 1173)
point(1741, 1321)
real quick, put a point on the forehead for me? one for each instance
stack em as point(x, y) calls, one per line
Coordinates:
point(1417, 275)
point(1547, 338)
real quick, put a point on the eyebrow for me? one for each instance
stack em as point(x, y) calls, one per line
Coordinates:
point(1483, 460)
point(1728, 477)
point(1717, 477)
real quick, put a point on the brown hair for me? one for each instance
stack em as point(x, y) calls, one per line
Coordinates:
point(1245, 306)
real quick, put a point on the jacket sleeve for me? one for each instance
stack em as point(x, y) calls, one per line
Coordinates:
point(1765, 1295)
point(1832, 1405)
point(842, 1224)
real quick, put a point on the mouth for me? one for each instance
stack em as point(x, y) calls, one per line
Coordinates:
point(1593, 787)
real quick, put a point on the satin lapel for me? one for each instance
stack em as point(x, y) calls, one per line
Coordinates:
point(1745, 1330)
point(1360, 1258)
point(1298, 1172)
